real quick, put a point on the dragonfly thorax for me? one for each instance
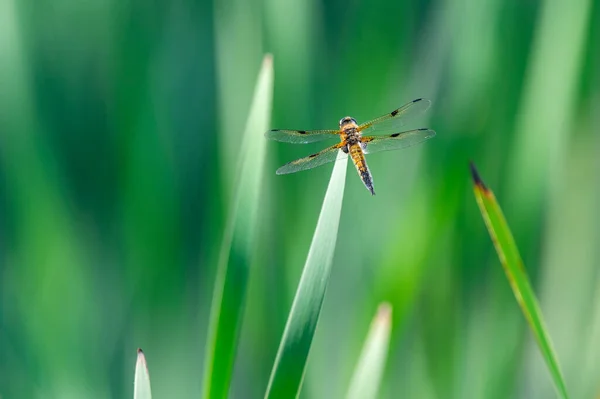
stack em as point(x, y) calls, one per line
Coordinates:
point(351, 134)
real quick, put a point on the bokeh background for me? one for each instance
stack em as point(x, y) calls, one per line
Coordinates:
point(120, 126)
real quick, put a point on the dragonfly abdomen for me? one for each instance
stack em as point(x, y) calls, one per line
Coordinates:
point(360, 162)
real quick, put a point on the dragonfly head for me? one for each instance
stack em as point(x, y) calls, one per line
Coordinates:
point(347, 122)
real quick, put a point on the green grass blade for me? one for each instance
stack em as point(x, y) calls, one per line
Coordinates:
point(517, 276)
point(238, 244)
point(369, 369)
point(288, 371)
point(141, 383)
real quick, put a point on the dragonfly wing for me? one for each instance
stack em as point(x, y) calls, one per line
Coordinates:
point(372, 144)
point(311, 161)
point(300, 136)
point(392, 121)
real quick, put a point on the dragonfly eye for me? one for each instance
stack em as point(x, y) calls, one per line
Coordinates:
point(346, 120)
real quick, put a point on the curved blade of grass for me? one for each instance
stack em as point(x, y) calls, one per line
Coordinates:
point(369, 369)
point(517, 277)
point(141, 382)
point(238, 244)
point(288, 371)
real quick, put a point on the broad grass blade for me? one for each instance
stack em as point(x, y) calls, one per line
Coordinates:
point(238, 244)
point(517, 276)
point(141, 384)
point(369, 369)
point(290, 364)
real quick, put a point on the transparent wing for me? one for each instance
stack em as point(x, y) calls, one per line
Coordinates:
point(391, 122)
point(311, 161)
point(395, 141)
point(300, 136)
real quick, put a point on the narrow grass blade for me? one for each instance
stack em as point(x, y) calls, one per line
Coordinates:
point(517, 277)
point(288, 371)
point(238, 244)
point(369, 370)
point(141, 383)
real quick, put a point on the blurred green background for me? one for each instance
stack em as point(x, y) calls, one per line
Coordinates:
point(120, 126)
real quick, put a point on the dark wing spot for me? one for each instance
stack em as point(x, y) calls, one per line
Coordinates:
point(423, 128)
point(313, 155)
point(302, 131)
point(395, 112)
point(417, 100)
point(395, 135)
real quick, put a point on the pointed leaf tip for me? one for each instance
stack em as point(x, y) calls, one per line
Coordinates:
point(512, 263)
point(267, 60)
point(239, 240)
point(384, 312)
point(369, 370)
point(476, 178)
point(141, 384)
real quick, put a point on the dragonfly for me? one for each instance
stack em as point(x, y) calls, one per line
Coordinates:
point(357, 140)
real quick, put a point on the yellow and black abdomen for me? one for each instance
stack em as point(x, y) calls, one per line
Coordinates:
point(358, 157)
